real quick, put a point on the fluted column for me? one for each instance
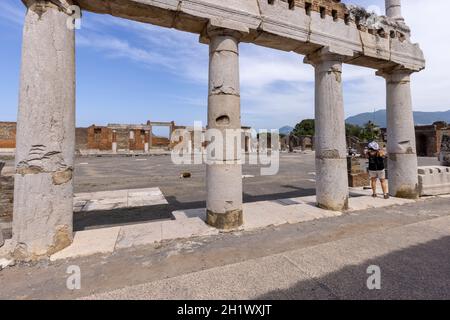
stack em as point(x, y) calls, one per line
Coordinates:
point(331, 154)
point(43, 190)
point(401, 138)
point(224, 176)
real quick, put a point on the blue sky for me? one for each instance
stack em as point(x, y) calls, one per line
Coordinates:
point(128, 72)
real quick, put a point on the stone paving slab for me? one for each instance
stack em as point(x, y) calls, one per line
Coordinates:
point(368, 202)
point(141, 234)
point(90, 242)
point(191, 223)
point(117, 199)
point(187, 228)
point(190, 213)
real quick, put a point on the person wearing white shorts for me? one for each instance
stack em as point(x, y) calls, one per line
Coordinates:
point(380, 174)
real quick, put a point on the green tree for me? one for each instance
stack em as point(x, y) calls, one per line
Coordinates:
point(371, 131)
point(305, 128)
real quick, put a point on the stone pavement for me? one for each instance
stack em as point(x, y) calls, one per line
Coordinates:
point(413, 259)
point(191, 223)
point(110, 200)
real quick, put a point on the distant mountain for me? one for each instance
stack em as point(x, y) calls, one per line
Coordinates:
point(379, 118)
point(286, 130)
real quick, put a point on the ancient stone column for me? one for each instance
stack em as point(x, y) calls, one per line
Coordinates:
point(401, 138)
point(331, 156)
point(43, 193)
point(394, 9)
point(146, 140)
point(224, 177)
point(150, 137)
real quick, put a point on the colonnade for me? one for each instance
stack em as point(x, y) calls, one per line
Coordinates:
point(43, 195)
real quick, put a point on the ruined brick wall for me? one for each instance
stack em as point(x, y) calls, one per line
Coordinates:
point(123, 139)
point(426, 142)
point(99, 138)
point(138, 143)
point(441, 133)
point(160, 142)
point(6, 198)
point(81, 138)
point(7, 135)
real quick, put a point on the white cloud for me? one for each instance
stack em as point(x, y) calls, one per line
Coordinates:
point(277, 88)
point(12, 13)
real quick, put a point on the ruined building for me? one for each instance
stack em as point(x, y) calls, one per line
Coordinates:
point(327, 32)
point(118, 138)
point(429, 138)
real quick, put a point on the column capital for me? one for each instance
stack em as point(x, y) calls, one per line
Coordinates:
point(397, 74)
point(328, 54)
point(218, 27)
point(43, 5)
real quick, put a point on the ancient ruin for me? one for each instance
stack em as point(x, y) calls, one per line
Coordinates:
point(444, 155)
point(327, 32)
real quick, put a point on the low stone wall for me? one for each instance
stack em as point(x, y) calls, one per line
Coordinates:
point(434, 181)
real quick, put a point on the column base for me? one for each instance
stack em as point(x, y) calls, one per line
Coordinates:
point(407, 192)
point(225, 221)
point(334, 207)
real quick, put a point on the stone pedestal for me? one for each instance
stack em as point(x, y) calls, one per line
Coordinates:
point(357, 177)
point(43, 194)
point(330, 145)
point(224, 177)
point(401, 138)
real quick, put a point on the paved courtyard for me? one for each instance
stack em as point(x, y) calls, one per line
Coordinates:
point(309, 254)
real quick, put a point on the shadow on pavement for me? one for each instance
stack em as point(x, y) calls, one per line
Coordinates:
point(418, 272)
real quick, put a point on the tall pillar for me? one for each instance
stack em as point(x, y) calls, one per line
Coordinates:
point(146, 139)
point(224, 177)
point(394, 9)
point(331, 154)
point(150, 136)
point(401, 137)
point(43, 189)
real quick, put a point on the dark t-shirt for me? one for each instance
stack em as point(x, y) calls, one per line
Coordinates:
point(376, 163)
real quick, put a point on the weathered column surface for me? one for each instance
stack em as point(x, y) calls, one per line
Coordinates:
point(331, 156)
point(401, 138)
point(43, 191)
point(394, 9)
point(224, 177)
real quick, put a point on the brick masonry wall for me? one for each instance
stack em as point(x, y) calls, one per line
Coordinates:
point(6, 198)
point(7, 135)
